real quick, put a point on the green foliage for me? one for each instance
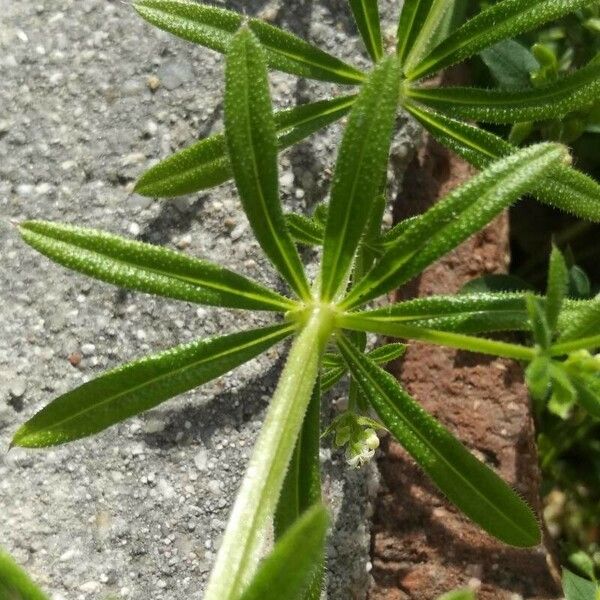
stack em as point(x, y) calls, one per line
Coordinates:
point(578, 588)
point(359, 263)
point(14, 582)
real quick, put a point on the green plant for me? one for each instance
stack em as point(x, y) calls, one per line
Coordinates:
point(326, 318)
point(14, 582)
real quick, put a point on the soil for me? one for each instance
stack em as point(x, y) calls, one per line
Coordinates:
point(422, 546)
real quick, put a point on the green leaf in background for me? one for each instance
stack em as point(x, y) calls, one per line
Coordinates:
point(205, 164)
point(288, 571)
point(587, 386)
point(467, 482)
point(578, 588)
point(583, 323)
point(558, 279)
point(461, 594)
point(504, 19)
point(359, 173)
point(251, 140)
point(15, 584)
point(305, 230)
point(138, 386)
point(565, 188)
point(454, 218)
point(495, 282)
point(148, 268)
point(540, 327)
point(510, 64)
point(215, 28)
point(537, 377)
point(570, 93)
point(366, 15)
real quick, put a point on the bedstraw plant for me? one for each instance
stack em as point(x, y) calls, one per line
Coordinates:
point(327, 319)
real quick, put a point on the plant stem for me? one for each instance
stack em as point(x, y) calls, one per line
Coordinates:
point(580, 344)
point(442, 338)
point(257, 498)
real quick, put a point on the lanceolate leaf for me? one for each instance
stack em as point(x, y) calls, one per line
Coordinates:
point(588, 392)
point(558, 280)
point(454, 218)
point(428, 25)
point(467, 482)
point(585, 322)
point(464, 313)
point(359, 173)
point(252, 147)
point(568, 94)
point(148, 268)
point(565, 188)
point(289, 570)
point(15, 583)
point(141, 385)
point(366, 15)
point(215, 28)
point(206, 164)
point(505, 19)
point(304, 230)
point(412, 16)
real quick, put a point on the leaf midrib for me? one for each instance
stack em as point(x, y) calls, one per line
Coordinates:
point(169, 374)
point(211, 286)
point(299, 284)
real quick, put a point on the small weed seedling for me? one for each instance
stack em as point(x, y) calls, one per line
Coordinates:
point(328, 318)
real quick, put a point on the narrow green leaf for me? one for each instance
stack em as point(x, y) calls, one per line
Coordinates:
point(412, 16)
point(205, 164)
point(148, 268)
point(359, 172)
point(539, 323)
point(537, 377)
point(427, 25)
point(495, 282)
point(215, 28)
point(570, 93)
point(143, 384)
point(329, 377)
point(15, 584)
point(304, 230)
point(380, 355)
point(510, 64)
point(461, 594)
point(454, 218)
point(302, 484)
point(505, 19)
point(564, 188)
point(583, 322)
point(250, 133)
point(464, 313)
point(558, 280)
point(467, 482)
point(366, 15)
point(587, 387)
point(288, 571)
point(578, 588)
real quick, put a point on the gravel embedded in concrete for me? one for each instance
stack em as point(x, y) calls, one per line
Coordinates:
point(92, 96)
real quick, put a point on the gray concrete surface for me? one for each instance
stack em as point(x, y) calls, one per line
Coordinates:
point(137, 512)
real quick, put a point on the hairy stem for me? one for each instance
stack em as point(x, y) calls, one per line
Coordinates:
point(442, 338)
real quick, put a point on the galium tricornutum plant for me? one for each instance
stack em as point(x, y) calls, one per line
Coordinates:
point(327, 318)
